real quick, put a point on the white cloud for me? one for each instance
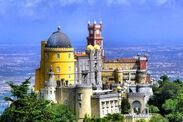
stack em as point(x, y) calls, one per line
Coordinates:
point(160, 2)
point(120, 2)
point(140, 2)
point(32, 3)
point(69, 2)
point(31, 7)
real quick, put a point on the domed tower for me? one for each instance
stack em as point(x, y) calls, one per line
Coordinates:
point(58, 53)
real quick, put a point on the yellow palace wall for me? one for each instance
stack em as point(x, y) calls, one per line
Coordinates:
point(62, 65)
point(111, 74)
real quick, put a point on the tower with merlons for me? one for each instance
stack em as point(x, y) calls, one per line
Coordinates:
point(95, 36)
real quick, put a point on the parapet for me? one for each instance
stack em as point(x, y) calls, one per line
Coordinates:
point(83, 86)
point(59, 49)
point(95, 26)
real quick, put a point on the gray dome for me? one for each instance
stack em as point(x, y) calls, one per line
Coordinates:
point(58, 40)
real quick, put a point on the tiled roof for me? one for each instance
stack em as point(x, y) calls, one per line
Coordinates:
point(123, 60)
point(80, 54)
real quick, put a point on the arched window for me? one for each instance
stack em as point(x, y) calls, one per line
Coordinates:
point(58, 55)
point(69, 68)
point(136, 105)
point(58, 69)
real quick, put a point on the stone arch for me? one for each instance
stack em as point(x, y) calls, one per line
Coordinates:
point(136, 106)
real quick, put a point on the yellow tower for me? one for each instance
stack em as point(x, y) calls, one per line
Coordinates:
point(57, 53)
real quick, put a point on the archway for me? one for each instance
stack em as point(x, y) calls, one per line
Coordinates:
point(136, 106)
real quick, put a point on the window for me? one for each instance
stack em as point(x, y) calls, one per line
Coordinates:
point(69, 55)
point(91, 31)
point(58, 55)
point(47, 56)
point(46, 91)
point(97, 32)
point(79, 105)
point(79, 96)
point(110, 68)
point(133, 73)
point(58, 69)
point(125, 73)
point(69, 68)
point(111, 78)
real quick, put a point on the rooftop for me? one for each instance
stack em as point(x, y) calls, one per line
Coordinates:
point(122, 60)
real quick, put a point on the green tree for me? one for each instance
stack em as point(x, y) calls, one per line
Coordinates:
point(158, 118)
point(62, 113)
point(109, 118)
point(153, 109)
point(86, 118)
point(167, 90)
point(141, 120)
point(178, 82)
point(125, 106)
point(25, 107)
point(170, 105)
point(163, 79)
point(114, 117)
point(173, 109)
point(169, 99)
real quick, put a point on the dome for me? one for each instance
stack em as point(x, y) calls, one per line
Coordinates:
point(59, 40)
point(119, 88)
point(90, 47)
point(97, 47)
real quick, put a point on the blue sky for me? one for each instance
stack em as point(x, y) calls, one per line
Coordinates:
point(124, 21)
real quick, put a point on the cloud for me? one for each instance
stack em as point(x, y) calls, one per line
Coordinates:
point(141, 2)
point(41, 7)
point(69, 2)
point(161, 2)
point(119, 2)
point(32, 3)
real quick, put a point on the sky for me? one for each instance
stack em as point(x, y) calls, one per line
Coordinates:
point(124, 21)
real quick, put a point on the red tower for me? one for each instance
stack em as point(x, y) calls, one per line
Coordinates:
point(95, 36)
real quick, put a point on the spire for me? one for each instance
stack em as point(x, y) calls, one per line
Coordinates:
point(51, 73)
point(51, 80)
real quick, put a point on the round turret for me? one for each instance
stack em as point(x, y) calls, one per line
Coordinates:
point(83, 101)
point(97, 47)
point(89, 47)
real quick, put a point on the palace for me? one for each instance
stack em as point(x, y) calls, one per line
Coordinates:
point(88, 82)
